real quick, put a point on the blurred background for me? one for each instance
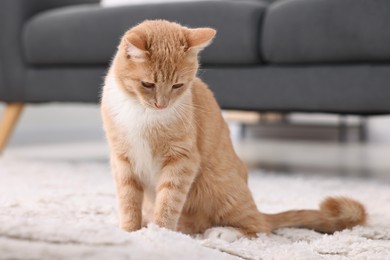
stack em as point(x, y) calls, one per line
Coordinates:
point(306, 141)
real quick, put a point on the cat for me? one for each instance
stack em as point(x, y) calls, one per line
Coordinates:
point(172, 159)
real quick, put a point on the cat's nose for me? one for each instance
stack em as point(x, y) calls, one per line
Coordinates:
point(160, 106)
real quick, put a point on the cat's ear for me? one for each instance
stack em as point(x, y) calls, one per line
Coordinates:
point(135, 47)
point(199, 38)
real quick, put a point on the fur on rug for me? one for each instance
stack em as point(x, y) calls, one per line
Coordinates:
point(55, 209)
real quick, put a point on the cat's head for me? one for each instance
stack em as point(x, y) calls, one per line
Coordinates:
point(158, 60)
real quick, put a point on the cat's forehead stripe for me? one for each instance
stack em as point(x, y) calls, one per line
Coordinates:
point(164, 72)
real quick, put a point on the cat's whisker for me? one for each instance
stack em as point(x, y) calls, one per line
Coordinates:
point(201, 72)
point(180, 116)
point(181, 106)
point(198, 108)
point(184, 113)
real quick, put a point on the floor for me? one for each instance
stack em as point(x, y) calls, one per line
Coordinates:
point(302, 143)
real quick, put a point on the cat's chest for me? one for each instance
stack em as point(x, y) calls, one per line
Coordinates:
point(144, 157)
point(137, 127)
point(145, 160)
point(142, 131)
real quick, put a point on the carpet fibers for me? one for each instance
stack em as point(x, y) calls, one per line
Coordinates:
point(56, 209)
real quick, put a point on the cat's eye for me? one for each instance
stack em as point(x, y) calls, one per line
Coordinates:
point(148, 84)
point(176, 86)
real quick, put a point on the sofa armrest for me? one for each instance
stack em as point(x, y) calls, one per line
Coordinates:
point(13, 15)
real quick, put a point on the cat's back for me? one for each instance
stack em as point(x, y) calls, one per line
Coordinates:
point(214, 140)
point(204, 100)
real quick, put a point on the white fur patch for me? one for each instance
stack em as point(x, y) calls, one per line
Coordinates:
point(228, 234)
point(131, 117)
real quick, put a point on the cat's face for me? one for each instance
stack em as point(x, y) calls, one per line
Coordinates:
point(160, 84)
point(158, 62)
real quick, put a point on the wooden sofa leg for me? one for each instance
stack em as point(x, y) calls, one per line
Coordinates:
point(7, 124)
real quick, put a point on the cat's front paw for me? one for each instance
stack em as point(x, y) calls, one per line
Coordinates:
point(229, 234)
point(144, 223)
point(129, 227)
point(164, 223)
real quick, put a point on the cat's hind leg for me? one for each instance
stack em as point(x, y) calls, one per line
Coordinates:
point(244, 220)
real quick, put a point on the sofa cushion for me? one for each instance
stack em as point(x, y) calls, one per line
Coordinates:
point(318, 31)
point(88, 35)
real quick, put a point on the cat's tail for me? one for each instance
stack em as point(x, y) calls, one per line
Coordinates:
point(335, 213)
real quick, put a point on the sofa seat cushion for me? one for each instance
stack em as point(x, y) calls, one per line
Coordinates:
point(318, 31)
point(88, 35)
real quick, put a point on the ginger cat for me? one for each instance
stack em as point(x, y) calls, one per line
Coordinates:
point(171, 154)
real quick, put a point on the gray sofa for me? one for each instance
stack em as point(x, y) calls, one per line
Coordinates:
point(329, 56)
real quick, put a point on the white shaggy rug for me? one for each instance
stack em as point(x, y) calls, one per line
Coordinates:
point(56, 209)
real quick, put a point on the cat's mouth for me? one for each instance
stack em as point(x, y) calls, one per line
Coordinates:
point(157, 106)
point(160, 106)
